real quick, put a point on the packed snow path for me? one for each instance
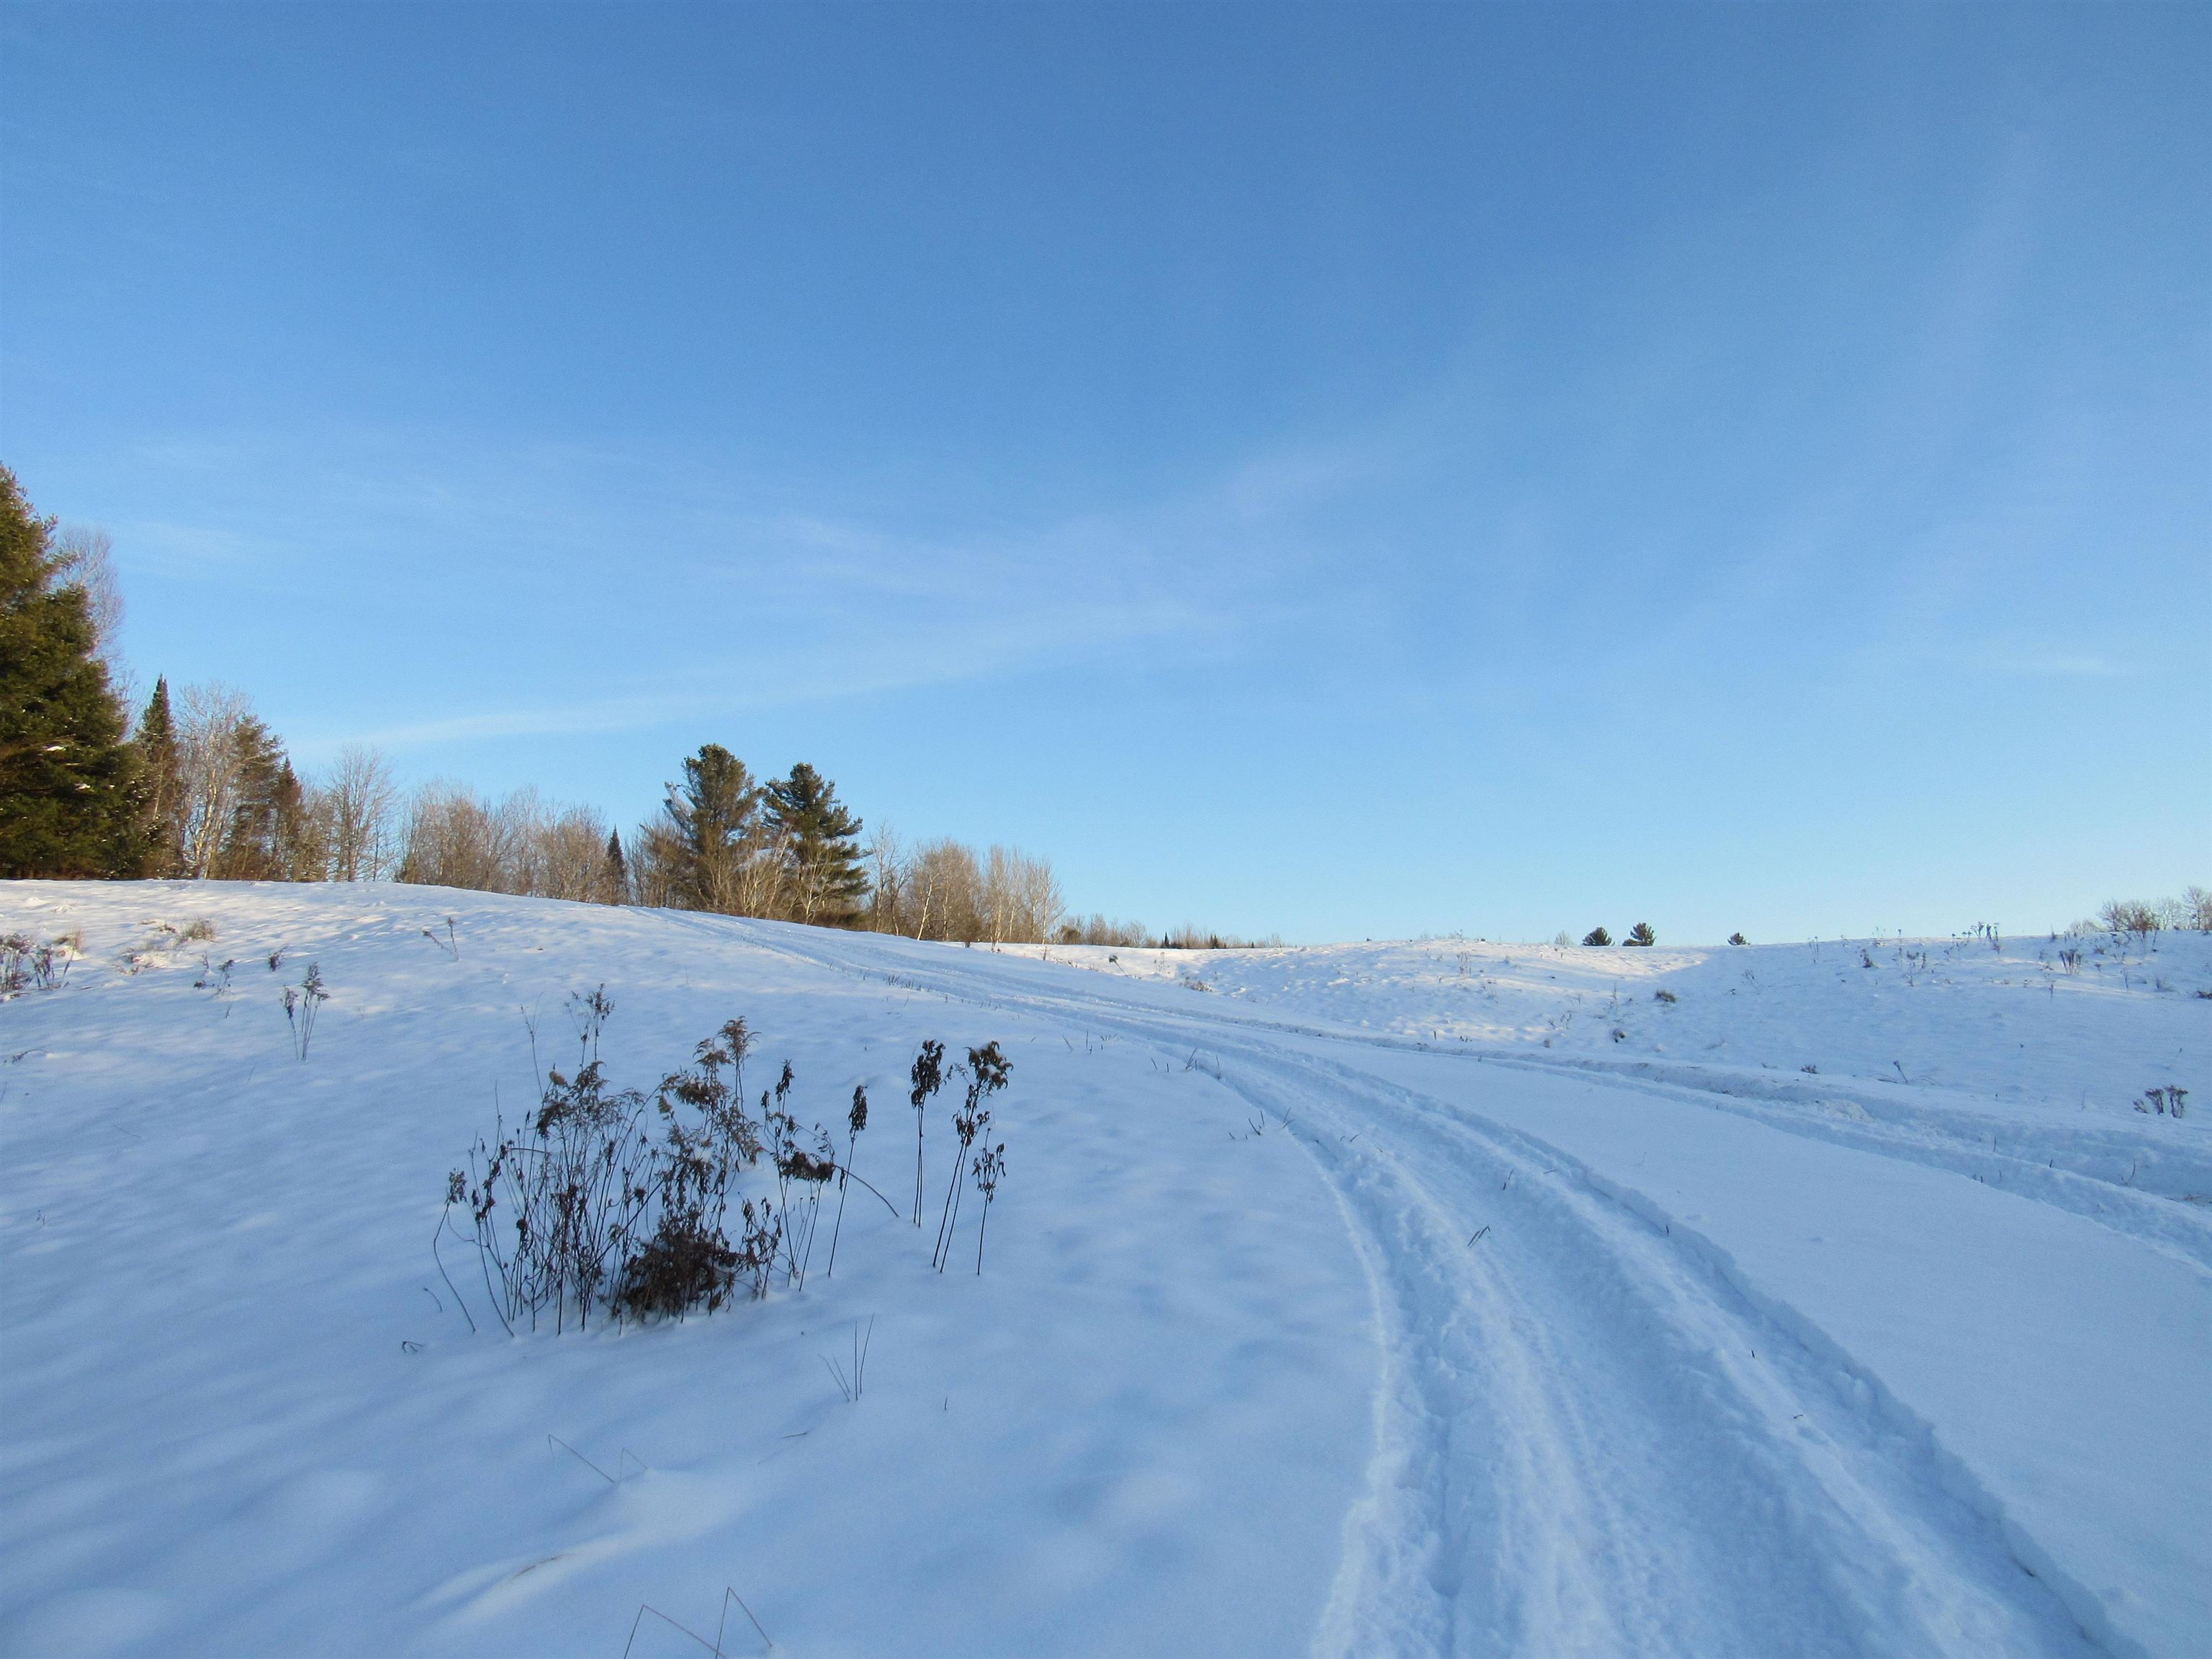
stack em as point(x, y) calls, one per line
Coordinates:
point(1657, 1355)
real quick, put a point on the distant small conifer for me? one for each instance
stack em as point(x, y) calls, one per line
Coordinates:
point(618, 871)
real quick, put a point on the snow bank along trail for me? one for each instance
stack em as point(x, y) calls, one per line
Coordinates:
point(1662, 1379)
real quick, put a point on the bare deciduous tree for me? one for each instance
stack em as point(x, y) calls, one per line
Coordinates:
point(571, 861)
point(656, 867)
point(360, 801)
point(84, 559)
point(942, 891)
point(886, 882)
point(212, 765)
point(1025, 901)
point(2197, 905)
point(945, 885)
point(454, 838)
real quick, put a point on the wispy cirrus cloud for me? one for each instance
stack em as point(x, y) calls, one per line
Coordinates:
point(517, 591)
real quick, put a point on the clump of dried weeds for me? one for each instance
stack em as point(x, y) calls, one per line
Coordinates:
point(609, 1200)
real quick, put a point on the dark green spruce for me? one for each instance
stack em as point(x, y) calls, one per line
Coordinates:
point(69, 803)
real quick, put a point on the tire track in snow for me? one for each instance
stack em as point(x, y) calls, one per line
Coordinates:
point(2044, 1164)
point(1645, 1486)
point(1575, 1450)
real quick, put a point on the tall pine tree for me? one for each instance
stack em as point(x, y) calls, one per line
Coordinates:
point(823, 838)
point(714, 814)
point(68, 801)
point(160, 785)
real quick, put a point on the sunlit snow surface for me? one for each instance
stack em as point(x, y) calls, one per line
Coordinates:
point(1370, 1299)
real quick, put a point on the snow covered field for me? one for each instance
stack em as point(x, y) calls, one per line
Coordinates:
point(1366, 1299)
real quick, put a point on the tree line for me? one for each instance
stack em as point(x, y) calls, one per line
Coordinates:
point(198, 786)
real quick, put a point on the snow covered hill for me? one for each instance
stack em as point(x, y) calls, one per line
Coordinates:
point(1377, 1299)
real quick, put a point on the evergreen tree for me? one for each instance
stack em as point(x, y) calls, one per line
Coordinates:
point(823, 840)
point(1597, 936)
point(1641, 934)
point(714, 816)
point(68, 798)
point(299, 841)
point(160, 785)
point(618, 871)
point(264, 808)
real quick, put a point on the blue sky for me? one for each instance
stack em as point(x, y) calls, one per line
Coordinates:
point(1339, 471)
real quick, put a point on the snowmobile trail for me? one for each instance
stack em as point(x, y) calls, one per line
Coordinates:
point(1613, 1466)
point(1586, 1440)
